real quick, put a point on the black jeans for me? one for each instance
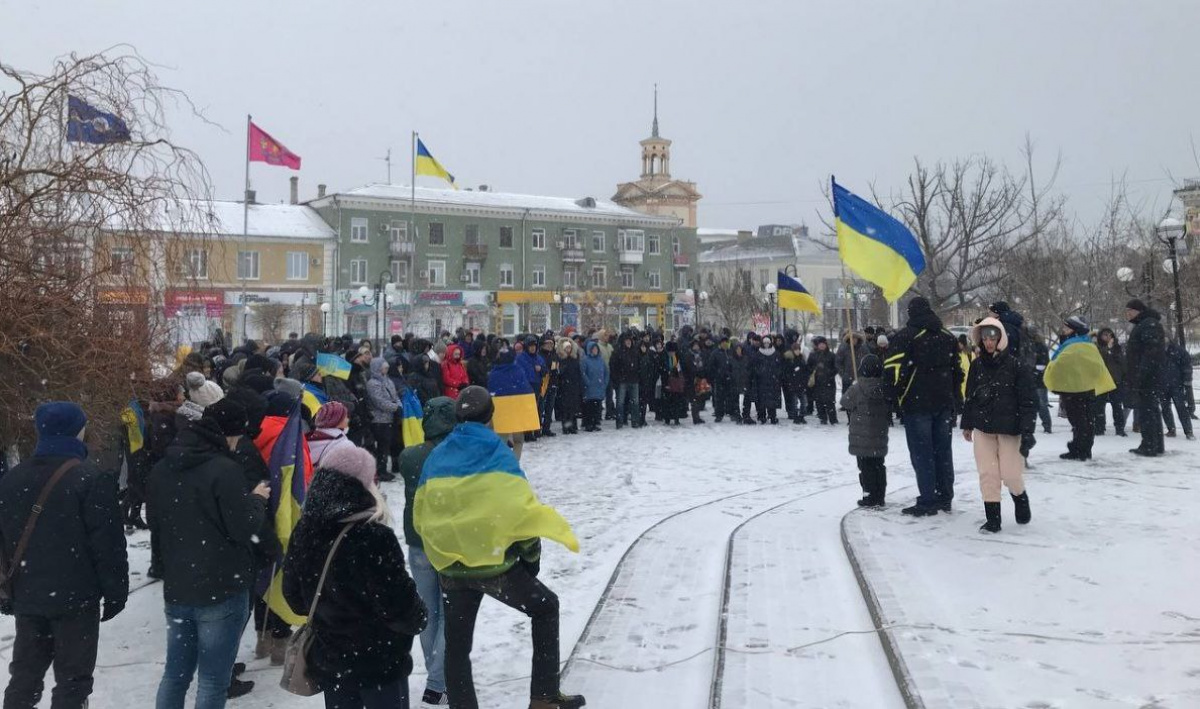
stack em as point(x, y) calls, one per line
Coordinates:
point(515, 589)
point(591, 413)
point(67, 642)
point(1178, 397)
point(385, 436)
point(872, 475)
point(1149, 420)
point(725, 400)
point(1078, 408)
point(548, 407)
point(1114, 399)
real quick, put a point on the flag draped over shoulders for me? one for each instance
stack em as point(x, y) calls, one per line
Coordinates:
point(412, 430)
point(1077, 367)
point(512, 395)
point(473, 502)
point(285, 450)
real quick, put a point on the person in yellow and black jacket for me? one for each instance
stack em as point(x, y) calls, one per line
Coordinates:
point(924, 374)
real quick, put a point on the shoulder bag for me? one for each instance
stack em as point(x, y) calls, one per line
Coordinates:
point(9, 569)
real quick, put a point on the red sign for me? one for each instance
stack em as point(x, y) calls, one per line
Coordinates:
point(213, 301)
point(439, 297)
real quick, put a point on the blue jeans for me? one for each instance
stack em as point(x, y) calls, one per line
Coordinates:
point(433, 638)
point(929, 449)
point(204, 638)
point(388, 696)
point(1044, 409)
point(627, 402)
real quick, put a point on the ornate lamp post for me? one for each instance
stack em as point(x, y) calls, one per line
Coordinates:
point(700, 308)
point(383, 294)
point(771, 288)
point(1170, 230)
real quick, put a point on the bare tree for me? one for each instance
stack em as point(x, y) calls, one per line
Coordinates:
point(82, 238)
point(273, 319)
point(731, 296)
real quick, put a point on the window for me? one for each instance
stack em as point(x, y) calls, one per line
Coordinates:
point(570, 277)
point(437, 272)
point(539, 276)
point(652, 245)
point(539, 239)
point(472, 237)
point(198, 263)
point(631, 240)
point(400, 272)
point(506, 275)
point(599, 277)
point(121, 259)
point(506, 237)
point(297, 266)
point(358, 271)
point(398, 232)
point(247, 265)
point(680, 280)
point(509, 318)
point(655, 280)
point(437, 234)
point(358, 230)
point(597, 241)
point(471, 273)
point(570, 239)
point(674, 245)
point(627, 278)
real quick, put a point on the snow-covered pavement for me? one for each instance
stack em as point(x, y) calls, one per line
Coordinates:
point(1092, 605)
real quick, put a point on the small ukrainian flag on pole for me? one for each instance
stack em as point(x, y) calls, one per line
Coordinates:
point(794, 296)
point(426, 164)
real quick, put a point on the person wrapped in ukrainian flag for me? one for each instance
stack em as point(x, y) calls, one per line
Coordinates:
point(482, 525)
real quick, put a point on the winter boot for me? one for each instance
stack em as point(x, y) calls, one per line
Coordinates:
point(919, 510)
point(238, 688)
point(262, 648)
point(435, 699)
point(992, 510)
point(1021, 503)
point(748, 421)
point(562, 701)
point(547, 433)
point(278, 651)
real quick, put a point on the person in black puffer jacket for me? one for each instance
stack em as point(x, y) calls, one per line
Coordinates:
point(923, 372)
point(1000, 408)
point(1114, 358)
point(369, 610)
point(795, 381)
point(569, 401)
point(740, 364)
point(649, 364)
point(720, 374)
point(623, 372)
point(822, 368)
point(1145, 357)
point(765, 371)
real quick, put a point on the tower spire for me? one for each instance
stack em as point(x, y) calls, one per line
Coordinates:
point(654, 130)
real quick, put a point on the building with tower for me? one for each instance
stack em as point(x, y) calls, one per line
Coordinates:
point(656, 193)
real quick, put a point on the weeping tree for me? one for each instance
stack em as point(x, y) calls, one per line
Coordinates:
point(88, 223)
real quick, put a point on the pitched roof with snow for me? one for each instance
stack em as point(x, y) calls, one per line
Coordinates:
point(769, 248)
point(225, 218)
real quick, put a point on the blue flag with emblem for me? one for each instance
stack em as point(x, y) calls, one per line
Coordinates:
point(88, 124)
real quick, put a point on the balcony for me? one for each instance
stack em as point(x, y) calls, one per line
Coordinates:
point(630, 257)
point(475, 252)
point(402, 249)
point(573, 255)
point(680, 260)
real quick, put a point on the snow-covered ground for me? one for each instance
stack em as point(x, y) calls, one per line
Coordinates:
point(1092, 605)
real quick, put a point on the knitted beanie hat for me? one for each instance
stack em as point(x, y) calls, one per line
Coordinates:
point(351, 461)
point(202, 391)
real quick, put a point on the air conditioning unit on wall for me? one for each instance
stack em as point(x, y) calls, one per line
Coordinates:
point(424, 275)
point(316, 262)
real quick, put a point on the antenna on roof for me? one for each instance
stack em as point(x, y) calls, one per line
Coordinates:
point(654, 130)
point(388, 159)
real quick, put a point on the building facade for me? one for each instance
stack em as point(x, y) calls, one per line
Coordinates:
point(655, 192)
point(429, 260)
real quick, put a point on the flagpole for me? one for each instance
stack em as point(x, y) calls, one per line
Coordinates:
point(245, 227)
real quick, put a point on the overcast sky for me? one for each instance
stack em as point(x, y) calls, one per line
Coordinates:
point(763, 100)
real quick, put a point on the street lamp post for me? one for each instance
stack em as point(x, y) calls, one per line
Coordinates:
point(325, 308)
point(1170, 230)
point(771, 288)
point(790, 270)
point(303, 320)
point(384, 292)
point(700, 308)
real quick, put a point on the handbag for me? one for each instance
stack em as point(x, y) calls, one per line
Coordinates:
point(296, 679)
point(675, 384)
point(702, 386)
point(9, 568)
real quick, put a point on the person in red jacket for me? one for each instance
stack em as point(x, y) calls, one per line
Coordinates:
point(454, 372)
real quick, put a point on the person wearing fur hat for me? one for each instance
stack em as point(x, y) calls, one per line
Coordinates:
point(368, 611)
point(1000, 408)
point(1077, 373)
point(74, 574)
point(869, 414)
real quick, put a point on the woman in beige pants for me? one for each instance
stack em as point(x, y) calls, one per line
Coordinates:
point(1001, 405)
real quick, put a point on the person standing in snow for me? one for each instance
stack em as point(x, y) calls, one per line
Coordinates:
point(822, 367)
point(454, 372)
point(74, 571)
point(1077, 373)
point(1001, 407)
point(1041, 358)
point(569, 400)
point(1176, 380)
point(623, 369)
point(1145, 357)
point(595, 383)
point(869, 412)
point(1114, 359)
point(767, 368)
point(795, 381)
point(383, 402)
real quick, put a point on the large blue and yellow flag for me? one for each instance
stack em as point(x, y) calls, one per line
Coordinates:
point(426, 164)
point(1077, 367)
point(412, 431)
point(874, 245)
point(512, 395)
point(473, 502)
point(135, 425)
point(288, 488)
point(331, 365)
point(794, 296)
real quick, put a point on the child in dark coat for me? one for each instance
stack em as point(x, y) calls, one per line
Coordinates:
point(866, 403)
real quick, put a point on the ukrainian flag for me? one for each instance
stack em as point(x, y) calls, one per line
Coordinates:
point(412, 431)
point(1077, 367)
point(874, 245)
point(331, 365)
point(516, 406)
point(135, 425)
point(473, 502)
point(794, 296)
point(426, 164)
point(287, 464)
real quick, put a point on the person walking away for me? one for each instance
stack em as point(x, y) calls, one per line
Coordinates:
point(206, 523)
point(439, 421)
point(768, 367)
point(624, 372)
point(1145, 357)
point(368, 610)
point(1114, 359)
point(1078, 373)
point(1000, 408)
point(569, 401)
point(384, 403)
point(869, 413)
point(649, 365)
point(454, 372)
point(822, 369)
point(595, 383)
point(481, 526)
point(73, 570)
point(1041, 359)
point(925, 380)
point(795, 381)
point(1176, 380)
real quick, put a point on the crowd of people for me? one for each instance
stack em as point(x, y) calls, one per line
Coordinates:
point(202, 464)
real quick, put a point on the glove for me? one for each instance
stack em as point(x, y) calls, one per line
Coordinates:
point(1028, 441)
point(111, 610)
